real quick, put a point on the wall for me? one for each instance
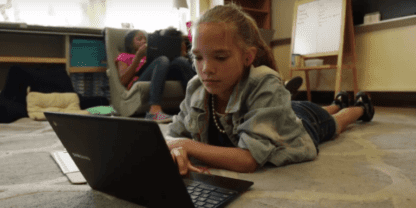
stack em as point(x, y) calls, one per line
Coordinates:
point(205, 5)
point(386, 55)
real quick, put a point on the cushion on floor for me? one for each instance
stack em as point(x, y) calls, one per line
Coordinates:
point(37, 103)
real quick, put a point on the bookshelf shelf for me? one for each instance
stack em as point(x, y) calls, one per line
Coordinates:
point(15, 59)
point(260, 10)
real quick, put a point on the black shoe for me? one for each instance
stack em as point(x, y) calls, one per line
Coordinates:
point(293, 85)
point(362, 99)
point(342, 99)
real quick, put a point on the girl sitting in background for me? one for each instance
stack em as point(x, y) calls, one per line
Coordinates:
point(130, 69)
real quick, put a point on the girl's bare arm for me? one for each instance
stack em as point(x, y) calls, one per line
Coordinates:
point(128, 72)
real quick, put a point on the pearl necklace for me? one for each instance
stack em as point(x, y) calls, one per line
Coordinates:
point(215, 118)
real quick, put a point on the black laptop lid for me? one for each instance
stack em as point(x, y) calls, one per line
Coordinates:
point(122, 157)
point(158, 45)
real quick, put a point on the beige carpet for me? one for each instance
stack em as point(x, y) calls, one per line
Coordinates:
point(370, 165)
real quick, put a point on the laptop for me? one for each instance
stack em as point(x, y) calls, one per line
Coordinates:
point(129, 159)
point(158, 45)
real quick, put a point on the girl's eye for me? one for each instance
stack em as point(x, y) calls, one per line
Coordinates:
point(198, 58)
point(221, 58)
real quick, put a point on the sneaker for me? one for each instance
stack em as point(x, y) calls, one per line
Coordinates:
point(362, 99)
point(159, 117)
point(293, 85)
point(342, 99)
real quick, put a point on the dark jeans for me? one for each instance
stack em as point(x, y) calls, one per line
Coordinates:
point(19, 78)
point(13, 96)
point(161, 70)
point(181, 69)
point(320, 125)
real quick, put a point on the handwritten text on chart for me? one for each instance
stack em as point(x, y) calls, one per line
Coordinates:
point(318, 27)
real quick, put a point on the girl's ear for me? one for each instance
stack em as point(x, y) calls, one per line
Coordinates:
point(250, 55)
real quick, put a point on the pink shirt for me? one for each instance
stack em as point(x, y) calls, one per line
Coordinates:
point(128, 59)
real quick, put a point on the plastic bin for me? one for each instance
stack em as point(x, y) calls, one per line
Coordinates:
point(314, 62)
point(88, 52)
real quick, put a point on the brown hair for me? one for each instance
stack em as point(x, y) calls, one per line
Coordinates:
point(246, 31)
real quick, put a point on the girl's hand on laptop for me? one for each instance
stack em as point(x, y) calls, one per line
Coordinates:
point(176, 142)
point(181, 159)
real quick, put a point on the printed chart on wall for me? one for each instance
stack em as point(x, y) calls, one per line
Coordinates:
point(318, 27)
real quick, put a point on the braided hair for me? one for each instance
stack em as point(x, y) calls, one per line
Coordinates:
point(245, 30)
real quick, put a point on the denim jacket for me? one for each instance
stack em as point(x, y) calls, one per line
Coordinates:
point(259, 117)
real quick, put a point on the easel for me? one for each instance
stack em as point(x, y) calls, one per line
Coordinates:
point(344, 58)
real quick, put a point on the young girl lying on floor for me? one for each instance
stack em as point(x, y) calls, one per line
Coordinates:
point(237, 114)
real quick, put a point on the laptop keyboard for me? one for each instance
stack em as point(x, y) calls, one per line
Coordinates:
point(207, 196)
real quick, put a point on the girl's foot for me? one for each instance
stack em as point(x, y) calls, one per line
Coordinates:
point(293, 85)
point(364, 101)
point(159, 117)
point(342, 99)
